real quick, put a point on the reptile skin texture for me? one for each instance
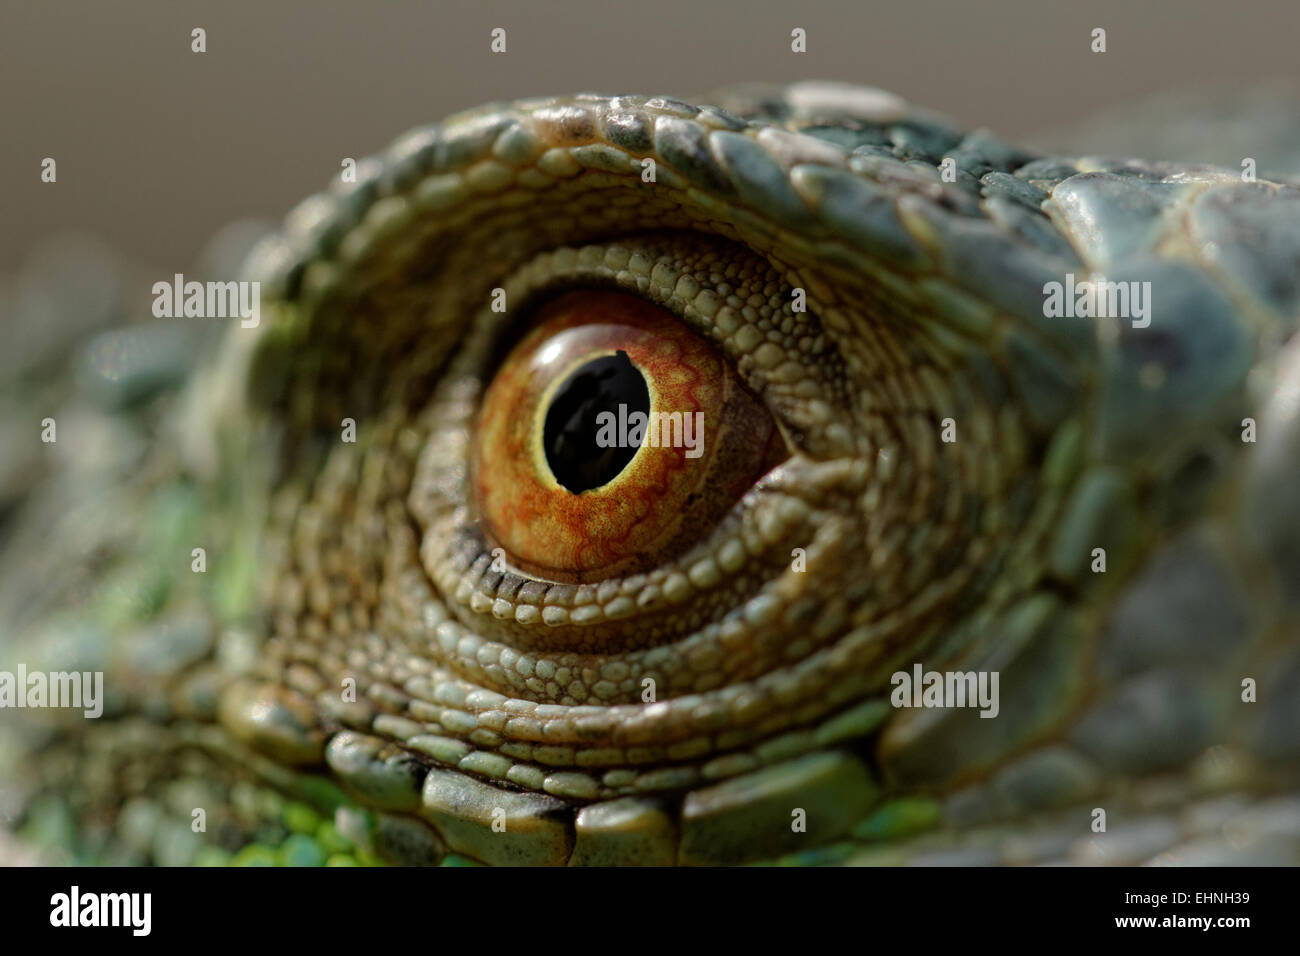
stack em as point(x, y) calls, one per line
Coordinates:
point(364, 668)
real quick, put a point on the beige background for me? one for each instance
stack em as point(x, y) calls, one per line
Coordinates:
point(157, 147)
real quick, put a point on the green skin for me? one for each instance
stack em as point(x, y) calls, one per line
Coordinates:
point(1078, 504)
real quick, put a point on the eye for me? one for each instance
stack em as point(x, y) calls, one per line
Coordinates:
point(612, 435)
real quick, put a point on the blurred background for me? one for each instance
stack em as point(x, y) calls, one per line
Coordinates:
point(158, 147)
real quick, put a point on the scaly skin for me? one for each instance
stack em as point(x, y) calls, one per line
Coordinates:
point(483, 696)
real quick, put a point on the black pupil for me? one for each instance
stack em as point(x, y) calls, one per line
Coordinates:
point(602, 385)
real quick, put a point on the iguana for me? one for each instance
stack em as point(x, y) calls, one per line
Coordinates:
point(346, 611)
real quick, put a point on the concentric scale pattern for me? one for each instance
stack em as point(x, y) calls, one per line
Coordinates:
point(683, 714)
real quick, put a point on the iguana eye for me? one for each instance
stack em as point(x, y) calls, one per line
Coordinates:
point(611, 434)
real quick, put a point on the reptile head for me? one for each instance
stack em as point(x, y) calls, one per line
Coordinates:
point(911, 465)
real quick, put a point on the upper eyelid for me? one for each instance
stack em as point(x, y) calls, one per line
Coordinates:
point(642, 265)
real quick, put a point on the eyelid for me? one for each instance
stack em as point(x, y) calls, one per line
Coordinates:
point(732, 297)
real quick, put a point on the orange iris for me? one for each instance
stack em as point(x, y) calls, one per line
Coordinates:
point(610, 435)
